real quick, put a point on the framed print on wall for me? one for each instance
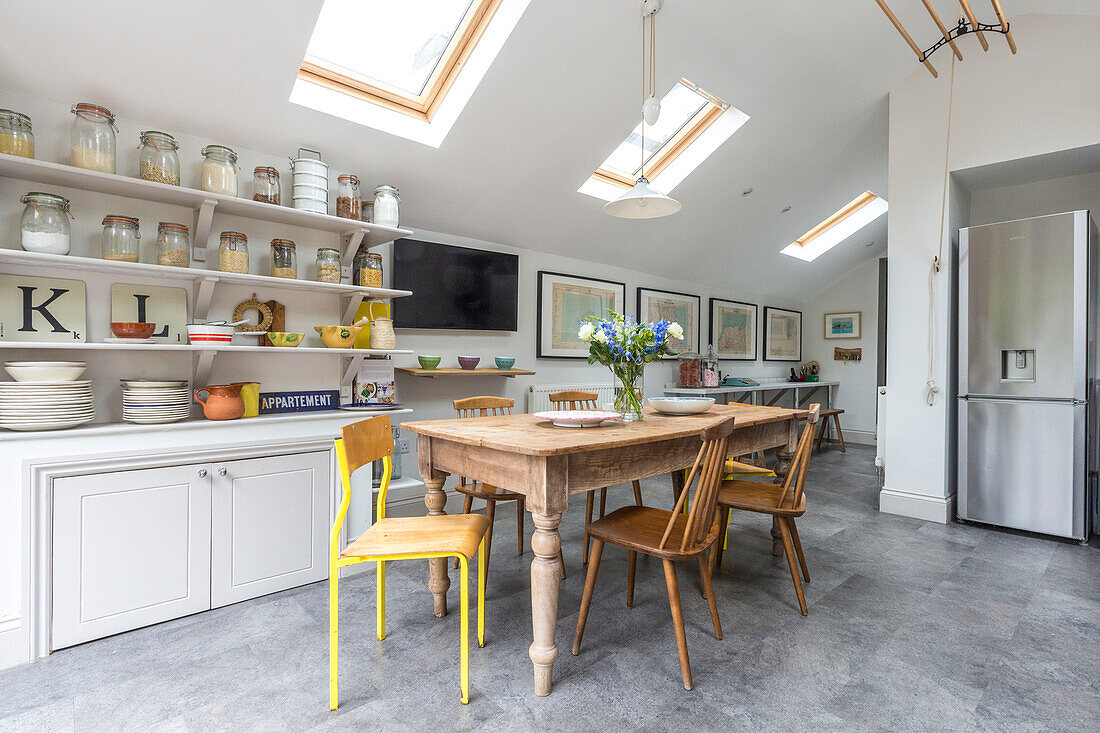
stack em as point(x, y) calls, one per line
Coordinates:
point(733, 329)
point(656, 305)
point(782, 334)
point(563, 302)
point(844, 325)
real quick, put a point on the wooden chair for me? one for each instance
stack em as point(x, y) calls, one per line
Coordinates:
point(408, 538)
point(583, 400)
point(485, 407)
point(835, 414)
point(669, 535)
point(783, 501)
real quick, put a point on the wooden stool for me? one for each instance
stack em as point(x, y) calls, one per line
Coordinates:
point(839, 439)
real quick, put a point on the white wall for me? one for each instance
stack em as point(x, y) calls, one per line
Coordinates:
point(1054, 196)
point(1005, 107)
point(857, 394)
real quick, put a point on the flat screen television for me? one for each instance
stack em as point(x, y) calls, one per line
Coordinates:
point(454, 287)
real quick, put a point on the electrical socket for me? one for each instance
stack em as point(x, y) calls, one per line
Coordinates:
point(403, 446)
point(345, 391)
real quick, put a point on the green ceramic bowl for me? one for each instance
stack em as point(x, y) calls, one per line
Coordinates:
point(428, 362)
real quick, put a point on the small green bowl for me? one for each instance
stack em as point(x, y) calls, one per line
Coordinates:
point(429, 362)
point(505, 362)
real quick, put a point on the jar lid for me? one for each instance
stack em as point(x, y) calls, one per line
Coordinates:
point(94, 109)
point(167, 225)
point(233, 235)
point(374, 256)
point(348, 177)
point(118, 219)
point(266, 170)
point(281, 243)
point(386, 188)
point(220, 150)
point(40, 197)
point(152, 137)
point(15, 117)
point(327, 251)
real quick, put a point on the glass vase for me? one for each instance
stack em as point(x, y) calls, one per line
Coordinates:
point(628, 390)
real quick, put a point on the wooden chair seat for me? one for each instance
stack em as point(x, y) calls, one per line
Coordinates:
point(759, 497)
point(641, 528)
point(482, 491)
point(448, 533)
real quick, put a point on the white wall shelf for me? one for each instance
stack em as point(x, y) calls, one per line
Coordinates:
point(221, 348)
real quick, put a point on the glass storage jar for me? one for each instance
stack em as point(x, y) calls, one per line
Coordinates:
point(173, 245)
point(328, 265)
point(265, 185)
point(349, 201)
point(709, 368)
point(233, 252)
point(368, 270)
point(16, 137)
point(386, 199)
point(121, 238)
point(45, 223)
point(690, 370)
point(284, 259)
point(219, 170)
point(368, 211)
point(92, 138)
point(159, 160)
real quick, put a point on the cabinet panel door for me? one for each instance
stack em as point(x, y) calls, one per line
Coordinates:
point(130, 548)
point(270, 525)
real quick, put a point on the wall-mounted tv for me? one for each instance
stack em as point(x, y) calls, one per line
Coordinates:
point(454, 287)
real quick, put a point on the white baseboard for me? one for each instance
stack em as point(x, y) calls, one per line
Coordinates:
point(939, 509)
point(862, 437)
point(13, 642)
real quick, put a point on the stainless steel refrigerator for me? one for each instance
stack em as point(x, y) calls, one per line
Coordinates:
point(1026, 374)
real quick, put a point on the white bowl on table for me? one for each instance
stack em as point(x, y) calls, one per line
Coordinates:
point(681, 405)
point(45, 371)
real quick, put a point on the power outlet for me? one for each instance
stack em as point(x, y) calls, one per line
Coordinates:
point(403, 446)
point(345, 392)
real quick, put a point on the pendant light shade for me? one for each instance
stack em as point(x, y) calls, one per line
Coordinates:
point(642, 202)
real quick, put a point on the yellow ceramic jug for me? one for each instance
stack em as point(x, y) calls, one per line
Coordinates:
point(250, 394)
point(369, 309)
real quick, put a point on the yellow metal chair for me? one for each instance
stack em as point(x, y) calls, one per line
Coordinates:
point(406, 538)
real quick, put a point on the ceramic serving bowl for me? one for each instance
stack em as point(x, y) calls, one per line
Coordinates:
point(45, 371)
point(505, 362)
point(285, 338)
point(202, 333)
point(338, 337)
point(468, 362)
point(125, 330)
point(681, 405)
point(428, 362)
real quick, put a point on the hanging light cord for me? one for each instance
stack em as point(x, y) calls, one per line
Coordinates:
point(931, 388)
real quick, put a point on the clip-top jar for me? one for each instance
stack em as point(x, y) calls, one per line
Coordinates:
point(284, 259)
point(159, 160)
point(45, 223)
point(173, 245)
point(121, 238)
point(233, 252)
point(92, 138)
point(16, 137)
point(368, 269)
point(349, 201)
point(328, 265)
point(265, 185)
point(709, 368)
point(691, 368)
point(219, 170)
point(386, 200)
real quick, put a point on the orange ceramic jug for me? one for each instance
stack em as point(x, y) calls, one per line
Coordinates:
point(223, 401)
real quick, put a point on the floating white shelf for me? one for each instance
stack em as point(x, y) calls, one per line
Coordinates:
point(220, 348)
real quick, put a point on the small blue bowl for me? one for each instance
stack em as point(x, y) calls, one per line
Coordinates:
point(505, 362)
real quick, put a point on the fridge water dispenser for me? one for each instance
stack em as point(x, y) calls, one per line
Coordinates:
point(1017, 365)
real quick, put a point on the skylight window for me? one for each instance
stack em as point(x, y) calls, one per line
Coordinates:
point(844, 223)
point(692, 125)
point(406, 68)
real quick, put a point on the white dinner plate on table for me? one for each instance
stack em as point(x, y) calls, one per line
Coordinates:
point(681, 405)
point(577, 418)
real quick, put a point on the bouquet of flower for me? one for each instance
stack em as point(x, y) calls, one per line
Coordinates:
point(626, 347)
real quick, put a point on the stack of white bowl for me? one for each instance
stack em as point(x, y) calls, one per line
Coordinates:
point(310, 183)
point(154, 401)
point(45, 396)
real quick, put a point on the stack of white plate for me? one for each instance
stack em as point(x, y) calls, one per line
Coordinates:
point(153, 401)
point(42, 405)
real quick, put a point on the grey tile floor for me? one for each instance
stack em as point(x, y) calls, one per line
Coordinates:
point(912, 626)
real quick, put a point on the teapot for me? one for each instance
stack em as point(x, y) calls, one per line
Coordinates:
point(223, 401)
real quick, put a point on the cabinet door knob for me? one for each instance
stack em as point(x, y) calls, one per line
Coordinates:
point(202, 473)
point(221, 471)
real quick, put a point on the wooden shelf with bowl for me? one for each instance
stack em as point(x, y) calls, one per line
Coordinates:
point(455, 372)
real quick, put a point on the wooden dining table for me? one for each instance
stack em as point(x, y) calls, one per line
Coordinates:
point(546, 463)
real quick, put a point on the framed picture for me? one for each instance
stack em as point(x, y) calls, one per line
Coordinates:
point(566, 300)
point(844, 325)
point(733, 329)
point(656, 305)
point(782, 334)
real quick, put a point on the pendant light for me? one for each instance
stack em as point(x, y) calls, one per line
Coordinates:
point(642, 201)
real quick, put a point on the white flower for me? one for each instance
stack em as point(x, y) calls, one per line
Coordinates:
point(585, 334)
point(676, 331)
point(600, 336)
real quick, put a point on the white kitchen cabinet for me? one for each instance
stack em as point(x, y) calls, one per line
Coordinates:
point(270, 524)
point(130, 548)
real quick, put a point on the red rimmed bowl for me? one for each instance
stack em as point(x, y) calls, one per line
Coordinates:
point(124, 330)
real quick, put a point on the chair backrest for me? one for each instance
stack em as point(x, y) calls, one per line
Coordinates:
point(484, 406)
point(361, 443)
point(573, 399)
point(709, 468)
point(796, 474)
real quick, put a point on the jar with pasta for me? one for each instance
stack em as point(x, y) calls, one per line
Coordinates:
point(233, 252)
point(219, 170)
point(16, 137)
point(284, 259)
point(92, 138)
point(328, 265)
point(368, 270)
point(173, 245)
point(121, 238)
point(159, 160)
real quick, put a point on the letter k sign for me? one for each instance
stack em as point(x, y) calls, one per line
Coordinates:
point(42, 309)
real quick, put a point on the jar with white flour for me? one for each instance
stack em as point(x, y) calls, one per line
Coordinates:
point(45, 223)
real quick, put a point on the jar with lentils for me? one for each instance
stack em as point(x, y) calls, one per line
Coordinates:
point(328, 265)
point(159, 160)
point(173, 245)
point(349, 201)
point(121, 238)
point(233, 252)
point(284, 259)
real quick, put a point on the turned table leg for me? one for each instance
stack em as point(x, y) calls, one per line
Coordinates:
point(782, 465)
point(545, 580)
point(435, 499)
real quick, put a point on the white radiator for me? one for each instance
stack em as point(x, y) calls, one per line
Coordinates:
point(880, 430)
point(538, 394)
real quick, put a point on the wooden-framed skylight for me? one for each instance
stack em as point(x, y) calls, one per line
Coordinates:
point(849, 219)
